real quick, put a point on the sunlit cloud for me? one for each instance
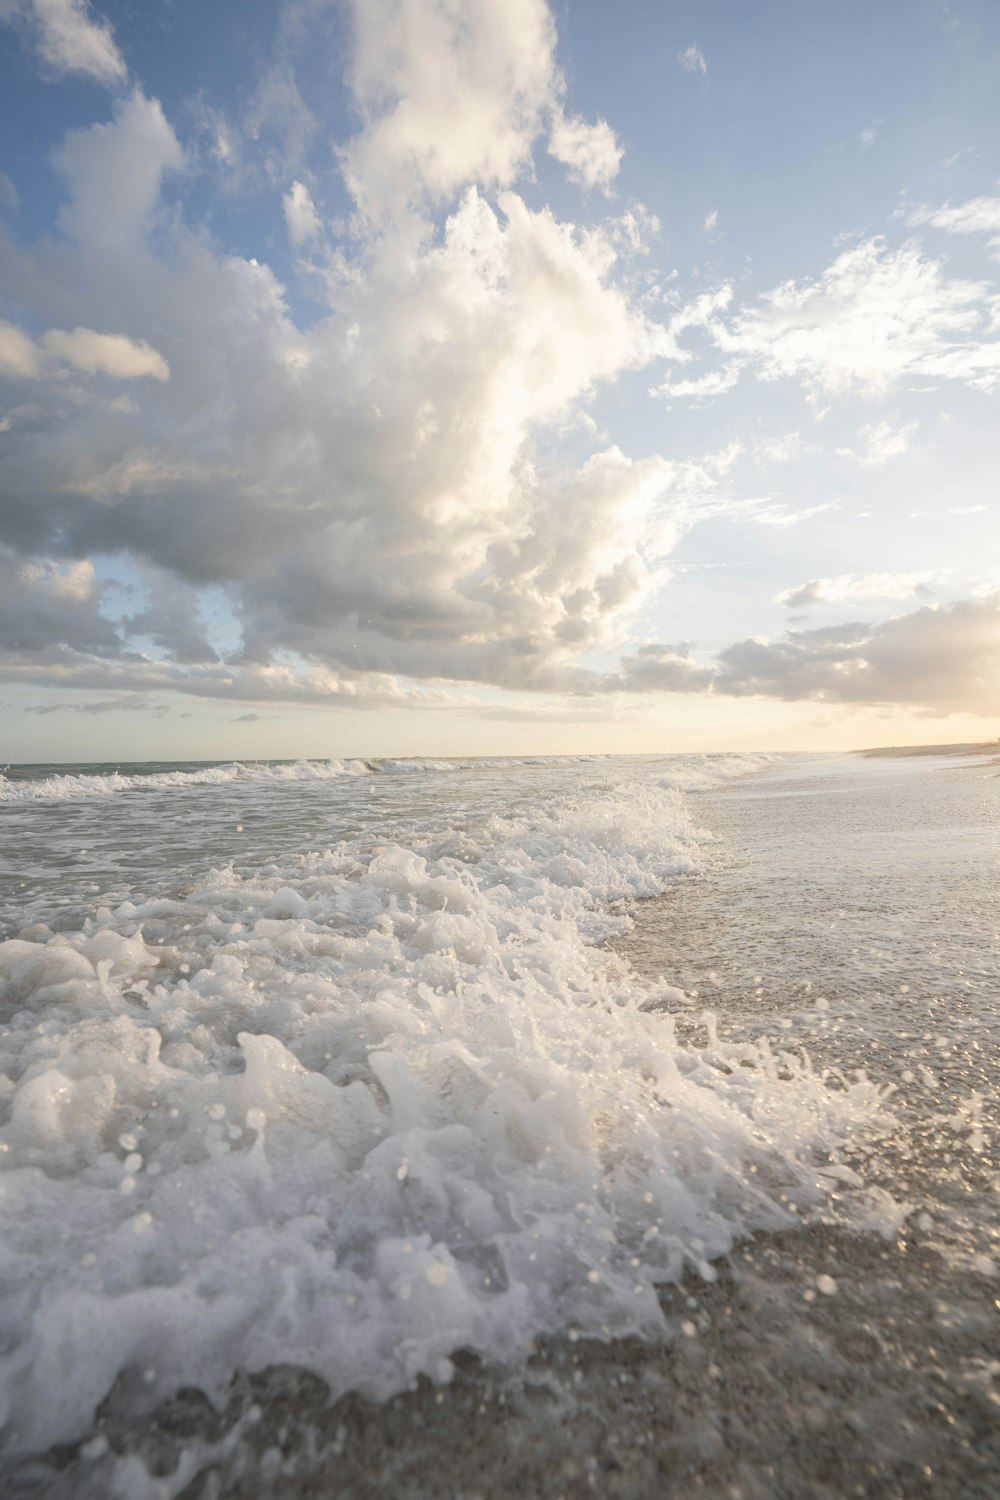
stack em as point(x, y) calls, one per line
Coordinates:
point(854, 587)
point(877, 316)
point(403, 427)
point(945, 660)
point(879, 443)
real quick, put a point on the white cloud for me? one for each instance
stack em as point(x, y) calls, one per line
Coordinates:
point(876, 317)
point(83, 349)
point(115, 173)
point(19, 358)
point(880, 442)
point(69, 38)
point(450, 92)
point(633, 231)
point(379, 496)
point(768, 513)
point(711, 221)
point(725, 458)
point(976, 216)
point(783, 449)
point(849, 588)
point(107, 354)
point(715, 383)
point(279, 121)
point(692, 59)
point(869, 135)
point(369, 490)
point(301, 218)
point(661, 668)
point(591, 152)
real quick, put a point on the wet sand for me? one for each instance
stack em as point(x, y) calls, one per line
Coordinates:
point(768, 1387)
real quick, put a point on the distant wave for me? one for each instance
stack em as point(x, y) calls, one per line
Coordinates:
point(96, 784)
point(689, 772)
point(83, 783)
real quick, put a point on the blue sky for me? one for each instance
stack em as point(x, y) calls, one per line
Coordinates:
point(409, 376)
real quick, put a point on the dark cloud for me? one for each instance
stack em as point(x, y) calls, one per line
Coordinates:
point(44, 606)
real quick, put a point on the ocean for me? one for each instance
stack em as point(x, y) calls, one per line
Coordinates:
point(361, 1069)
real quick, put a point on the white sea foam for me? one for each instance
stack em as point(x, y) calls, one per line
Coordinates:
point(371, 1106)
point(74, 785)
point(77, 784)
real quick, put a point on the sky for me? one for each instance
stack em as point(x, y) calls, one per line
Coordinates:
point(407, 377)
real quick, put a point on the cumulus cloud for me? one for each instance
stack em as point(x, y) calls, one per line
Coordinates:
point(853, 587)
point(591, 152)
point(114, 174)
point(661, 668)
point(69, 37)
point(83, 349)
point(107, 354)
point(449, 93)
point(381, 496)
point(369, 489)
point(876, 316)
point(301, 218)
point(692, 59)
point(940, 659)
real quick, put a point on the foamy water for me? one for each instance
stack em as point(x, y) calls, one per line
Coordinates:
point(323, 1065)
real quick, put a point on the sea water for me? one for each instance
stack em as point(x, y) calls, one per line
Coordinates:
point(337, 1065)
point(852, 906)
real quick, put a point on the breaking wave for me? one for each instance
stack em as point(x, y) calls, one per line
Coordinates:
point(376, 1104)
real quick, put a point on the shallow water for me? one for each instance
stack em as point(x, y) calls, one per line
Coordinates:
point(854, 906)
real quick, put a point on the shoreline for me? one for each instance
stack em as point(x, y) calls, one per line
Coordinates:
point(774, 1380)
point(887, 752)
